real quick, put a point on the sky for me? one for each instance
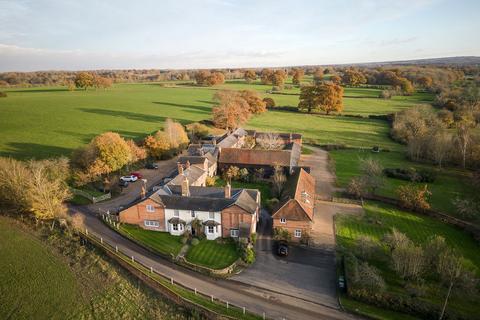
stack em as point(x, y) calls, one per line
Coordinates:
point(181, 34)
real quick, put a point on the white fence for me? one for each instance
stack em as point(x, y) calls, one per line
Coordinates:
point(90, 197)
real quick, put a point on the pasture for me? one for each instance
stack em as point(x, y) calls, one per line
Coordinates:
point(380, 218)
point(45, 121)
point(39, 282)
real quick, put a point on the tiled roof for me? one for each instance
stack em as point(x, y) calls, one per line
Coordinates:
point(255, 157)
point(193, 174)
point(299, 196)
point(206, 198)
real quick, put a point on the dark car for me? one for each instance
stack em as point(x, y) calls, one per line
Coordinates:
point(123, 183)
point(282, 248)
point(151, 165)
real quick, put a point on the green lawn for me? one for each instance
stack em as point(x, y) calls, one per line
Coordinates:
point(59, 279)
point(162, 242)
point(372, 312)
point(264, 188)
point(213, 255)
point(46, 121)
point(380, 218)
point(449, 184)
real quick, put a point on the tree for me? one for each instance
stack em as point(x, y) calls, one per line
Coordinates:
point(176, 135)
point(414, 198)
point(279, 179)
point(336, 79)
point(408, 261)
point(137, 153)
point(425, 82)
point(232, 173)
point(266, 76)
point(250, 76)
point(357, 187)
point(368, 278)
point(255, 103)
point(327, 97)
point(201, 77)
point(395, 239)
point(215, 78)
point(440, 146)
point(365, 247)
point(278, 78)
point(84, 80)
point(231, 110)
point(270, 141)
point(463, 139)
point(353, 77)
point(318, 76)
point(158, 146)
point(297, 76)
point(372, 172)
point(406, 86)
point(102, 82)
point(14, 176)
point(269, 102)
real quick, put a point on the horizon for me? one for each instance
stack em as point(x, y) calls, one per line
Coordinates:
point(54, 35)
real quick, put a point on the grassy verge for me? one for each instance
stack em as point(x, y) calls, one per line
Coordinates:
point(372, 312)
point(212, 254)
point(379, 219)
point(162, 242)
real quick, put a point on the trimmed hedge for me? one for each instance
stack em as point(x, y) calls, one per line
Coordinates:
point(410, 174)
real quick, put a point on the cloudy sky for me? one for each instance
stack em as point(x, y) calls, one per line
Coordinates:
point(114, 34)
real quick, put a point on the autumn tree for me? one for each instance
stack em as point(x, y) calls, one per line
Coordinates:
point(84, 80)
point(425, 82)
point(270, 141)
point(297, 76)
point(255, 103)
point(413, 197)
point(353, 77)
point(327, 97)
point(406, 86)
point(318, 76)
point(336, 79)
point(278, 78)
point(176, 135)
point(215, 78)
point(157, 146)
point(231, 110)
point(137, 153)
point(201, 77)
point(250, 76)
point(167, 142)
point(269, 102)
point(266, 76)
point(102, 82)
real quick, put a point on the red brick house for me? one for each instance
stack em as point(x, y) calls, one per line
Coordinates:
point(296, 209)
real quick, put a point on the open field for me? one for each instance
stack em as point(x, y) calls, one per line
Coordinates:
point(379, 219)
point(38, 283)
point(449, 184)
point(43, 122)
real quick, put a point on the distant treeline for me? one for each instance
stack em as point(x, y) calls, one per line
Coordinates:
point(420, 75)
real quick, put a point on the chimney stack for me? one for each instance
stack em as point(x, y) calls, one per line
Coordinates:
point(290, 140)
point(228, 191)
point(185, 188)
point(180, 168)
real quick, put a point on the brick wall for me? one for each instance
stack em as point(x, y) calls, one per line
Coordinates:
point(232, 217)
point(138, 213)
point(292, 225)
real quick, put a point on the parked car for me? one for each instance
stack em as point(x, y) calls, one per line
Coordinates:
point(137, 174)
point(123, 184)
point(151, 165)
point(130, 178)
point(282, 248)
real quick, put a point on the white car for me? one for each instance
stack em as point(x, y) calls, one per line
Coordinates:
point(129, 178)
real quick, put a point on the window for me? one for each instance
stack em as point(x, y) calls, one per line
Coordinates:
point(283, 220)
point(234, 233)
point(176, 213)
point(298, 233)
point(210, 229)
point(211, 215)
point(175, 227)
point(152, 224)
point(193, 213)
point(150, 208)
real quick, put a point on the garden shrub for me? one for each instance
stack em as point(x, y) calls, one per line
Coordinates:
point(3, 94)
point(195, 242)
point(411, 174)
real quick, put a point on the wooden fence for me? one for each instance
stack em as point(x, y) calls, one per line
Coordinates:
point(88, 196)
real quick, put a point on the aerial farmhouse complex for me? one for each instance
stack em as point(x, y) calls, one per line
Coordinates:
point(185, 204)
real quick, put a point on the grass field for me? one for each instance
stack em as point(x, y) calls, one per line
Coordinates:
point(162, 242)
point(380, 218)
point(58, 279)
point(449, 184)
point(212, 254)
point(43, 122)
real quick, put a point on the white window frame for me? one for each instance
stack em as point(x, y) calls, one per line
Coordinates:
point(176, 213)
point(211, 215)
point(150, 208)
point(212, 229)
point(283, 220)
point(234, 233)
point(175, 227)
point(151, 223)
point(298, 233)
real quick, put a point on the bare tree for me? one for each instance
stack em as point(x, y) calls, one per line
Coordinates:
point(372, 172)
point(270, 141)
point(440, 146)
point(279, 180)
point(463, 140)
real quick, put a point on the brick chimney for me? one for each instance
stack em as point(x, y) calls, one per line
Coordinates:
point(187, 164)
point(290, 140)
point(180, 168)
point(228, 191)
point(185, 187)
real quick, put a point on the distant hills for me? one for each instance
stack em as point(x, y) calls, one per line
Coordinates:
point(461, 61)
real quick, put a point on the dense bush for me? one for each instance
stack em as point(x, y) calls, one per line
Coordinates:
point(3, 94)
point(411, 174)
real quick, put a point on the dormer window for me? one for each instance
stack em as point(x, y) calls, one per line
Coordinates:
point(283, 220)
